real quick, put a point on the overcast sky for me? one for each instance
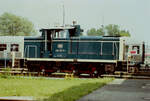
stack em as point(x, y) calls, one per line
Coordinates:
point(133, 15)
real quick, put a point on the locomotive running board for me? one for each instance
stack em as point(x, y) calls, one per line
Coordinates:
point(71, 60)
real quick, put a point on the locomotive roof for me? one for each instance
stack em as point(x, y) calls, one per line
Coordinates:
point(98, 37)
point(58, 28)
point(91, 38)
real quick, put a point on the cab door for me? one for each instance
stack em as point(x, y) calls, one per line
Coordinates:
point(31, 51)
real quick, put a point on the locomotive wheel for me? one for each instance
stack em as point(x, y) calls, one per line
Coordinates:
point(109, 69)
point(133, 69)
point(71, 68)
point(94, 72)
point(100, 72)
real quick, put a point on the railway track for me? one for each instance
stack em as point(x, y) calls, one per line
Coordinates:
point(118, 74)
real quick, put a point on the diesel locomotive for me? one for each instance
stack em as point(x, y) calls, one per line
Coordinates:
point(64, 49)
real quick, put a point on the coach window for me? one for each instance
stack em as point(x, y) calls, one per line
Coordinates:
point(3, 47)
point(15, 47)
point(136, 48)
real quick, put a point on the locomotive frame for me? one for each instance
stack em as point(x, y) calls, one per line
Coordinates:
point(75, 54)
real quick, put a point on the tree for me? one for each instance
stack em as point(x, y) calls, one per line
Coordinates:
point(101, 31)
point(125, 33)
point(110, 30)
point(13, 25)
point(91, 31)
point(95, 32)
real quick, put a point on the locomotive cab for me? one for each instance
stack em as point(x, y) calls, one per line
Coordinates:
point(62, 32)
point(57, 33)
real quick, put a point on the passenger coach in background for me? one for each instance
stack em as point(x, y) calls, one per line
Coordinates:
point(11, 46)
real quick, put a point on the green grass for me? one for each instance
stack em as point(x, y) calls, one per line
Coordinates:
point(48, 89)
